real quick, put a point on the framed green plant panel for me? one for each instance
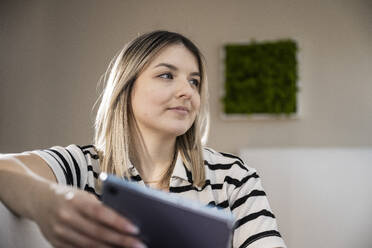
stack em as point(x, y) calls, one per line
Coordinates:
point(261, 78)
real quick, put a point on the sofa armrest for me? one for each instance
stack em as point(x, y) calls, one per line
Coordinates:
point(19, 232)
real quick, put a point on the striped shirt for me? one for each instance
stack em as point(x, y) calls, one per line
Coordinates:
point(230, 185)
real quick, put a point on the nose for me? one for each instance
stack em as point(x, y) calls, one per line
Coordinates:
point(185, 89)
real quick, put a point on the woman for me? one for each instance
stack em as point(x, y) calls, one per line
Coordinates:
point(150, 125)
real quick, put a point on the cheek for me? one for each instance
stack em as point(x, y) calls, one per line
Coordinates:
point(152, 102)
point(196, 103)
point(157, 98)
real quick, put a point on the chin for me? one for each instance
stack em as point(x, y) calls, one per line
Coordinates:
point(176, 128)
point(178, 131)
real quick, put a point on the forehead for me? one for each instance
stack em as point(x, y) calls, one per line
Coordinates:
point(177, 55)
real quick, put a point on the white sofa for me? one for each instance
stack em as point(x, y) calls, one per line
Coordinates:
point(19, 232)
point(322, 197)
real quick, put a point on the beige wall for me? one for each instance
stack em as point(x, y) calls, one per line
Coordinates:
point(53, 53)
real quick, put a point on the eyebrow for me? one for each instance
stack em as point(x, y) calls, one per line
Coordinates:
point(174, 68)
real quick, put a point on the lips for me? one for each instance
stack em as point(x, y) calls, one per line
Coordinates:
point(181, 109)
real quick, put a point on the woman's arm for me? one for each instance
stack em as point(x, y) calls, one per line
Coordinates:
point(20, 182)
point(66, 216)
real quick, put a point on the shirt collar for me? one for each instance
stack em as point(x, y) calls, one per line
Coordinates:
point(132, 170)
point(179, 170)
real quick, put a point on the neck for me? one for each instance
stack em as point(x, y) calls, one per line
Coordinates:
point(154, 155)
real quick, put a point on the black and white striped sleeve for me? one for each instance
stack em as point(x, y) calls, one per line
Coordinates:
point(68, 164)
point(255, 225)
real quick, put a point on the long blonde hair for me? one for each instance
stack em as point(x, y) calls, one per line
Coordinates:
point(114, 119)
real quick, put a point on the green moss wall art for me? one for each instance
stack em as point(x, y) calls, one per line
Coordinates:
point(261, 78)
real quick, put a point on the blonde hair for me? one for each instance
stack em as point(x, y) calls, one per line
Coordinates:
point(115, 120)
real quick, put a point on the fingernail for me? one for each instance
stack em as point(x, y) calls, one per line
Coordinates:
point(139, 245)
point(133, 229)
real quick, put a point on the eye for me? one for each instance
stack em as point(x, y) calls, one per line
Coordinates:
point(195, 82)
point(166, 75)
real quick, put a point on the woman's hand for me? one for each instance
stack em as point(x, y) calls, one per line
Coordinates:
point(75, 218)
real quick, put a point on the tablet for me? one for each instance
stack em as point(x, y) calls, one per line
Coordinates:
point(167, 220)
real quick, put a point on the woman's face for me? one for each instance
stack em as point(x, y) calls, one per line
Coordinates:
point(165, 97)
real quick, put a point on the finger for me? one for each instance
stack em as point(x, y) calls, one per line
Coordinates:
point(67, 237)
point(62, 244)
point(99, 212)
point(99, 231)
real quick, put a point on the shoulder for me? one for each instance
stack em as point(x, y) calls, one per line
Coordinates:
point(213, 155)
point(224, 165)
point(93, 169)
point(89, 151)
point(92, 158)
point(86, 158)
point(74, 150)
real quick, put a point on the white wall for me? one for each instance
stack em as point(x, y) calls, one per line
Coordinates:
point(53, 53)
